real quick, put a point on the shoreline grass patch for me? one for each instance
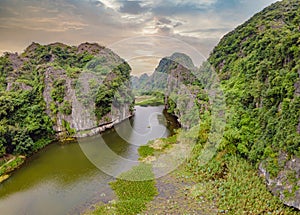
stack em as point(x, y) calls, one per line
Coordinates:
point(150, 101)
point(145, 151)
point(134, 189)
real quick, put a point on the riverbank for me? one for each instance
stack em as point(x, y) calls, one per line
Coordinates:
point(10, 164)
point(215, 188)
point(170, 194)
point(49, 182)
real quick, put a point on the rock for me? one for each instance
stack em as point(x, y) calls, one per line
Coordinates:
point(287, 183)
point(3, 178)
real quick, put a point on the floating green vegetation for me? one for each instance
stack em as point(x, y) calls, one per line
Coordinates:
point(134, 190)
point(145, 151)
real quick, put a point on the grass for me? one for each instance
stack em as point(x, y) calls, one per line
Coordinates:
point(236, 187)
point(134, 190)
point(145, 151)
point(12, 164)
point(149, 101)
point(229, 183)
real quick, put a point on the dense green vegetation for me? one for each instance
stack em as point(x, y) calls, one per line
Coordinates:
point(35, 100)
point(114, 90)
point(145, 151)
point(233, 184)
point(259, 67)
point(24, 125)
point(229, 182)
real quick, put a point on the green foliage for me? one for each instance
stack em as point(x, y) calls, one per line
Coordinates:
point(145, 151)
point(11, 164)
point(25, 126)
point(237, 189)
point(68, 128)
point(23, 121)
point(97, 65)
point(22, 142)
point(53, 108)
point(69, 58)
point(258, 64)
point(73, 72)
point(133, 191)
point(2, 147)
point(133, 195)
point(59, 90)
point(114, 90)
point(66, 108)
point(103, 101)
point(171, 105)
point(5, 68)
point(151, 101)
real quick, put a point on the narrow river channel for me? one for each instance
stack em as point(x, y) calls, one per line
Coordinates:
point(60, 179)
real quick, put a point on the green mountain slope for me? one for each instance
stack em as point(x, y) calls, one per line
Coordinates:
point(60, 91)
point(259, 68)
point(258, 65)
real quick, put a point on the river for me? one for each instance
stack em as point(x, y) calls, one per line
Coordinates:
point(60, 179)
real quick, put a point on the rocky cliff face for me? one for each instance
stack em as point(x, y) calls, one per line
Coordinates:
point(286, 184)
point(176, 76)
point(81, 93)
point(185, 87)
point(73, 91)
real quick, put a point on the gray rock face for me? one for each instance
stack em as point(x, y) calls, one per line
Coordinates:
point(176, 73)
point(286, 185)
point(74, 114)
point(81, 93)
point(183, 95)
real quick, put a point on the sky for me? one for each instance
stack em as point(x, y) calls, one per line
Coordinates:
point(139, 31)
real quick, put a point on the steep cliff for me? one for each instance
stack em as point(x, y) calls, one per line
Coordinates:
point(259, 67)
point(59, 90)
point(175, 78)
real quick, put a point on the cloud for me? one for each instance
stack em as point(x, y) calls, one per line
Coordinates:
point(132, 7)
point(200, 23)
point(164, 20)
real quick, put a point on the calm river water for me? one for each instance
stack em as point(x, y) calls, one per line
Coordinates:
point(60, 179)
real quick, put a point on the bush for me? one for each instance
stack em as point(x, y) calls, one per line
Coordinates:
point(66, 108)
